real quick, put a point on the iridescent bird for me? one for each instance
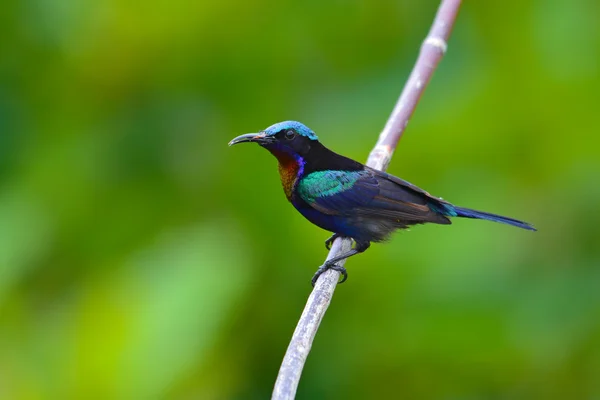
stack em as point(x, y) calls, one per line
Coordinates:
point(348, 198)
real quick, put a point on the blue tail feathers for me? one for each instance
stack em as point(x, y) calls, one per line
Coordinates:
point(468, 213)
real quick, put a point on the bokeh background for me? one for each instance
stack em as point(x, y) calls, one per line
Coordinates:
point(141, 258)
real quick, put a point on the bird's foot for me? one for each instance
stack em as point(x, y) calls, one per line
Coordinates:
point(334, 267)
point(330, 241)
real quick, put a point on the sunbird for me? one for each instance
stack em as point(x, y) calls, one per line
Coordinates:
point(348, 198)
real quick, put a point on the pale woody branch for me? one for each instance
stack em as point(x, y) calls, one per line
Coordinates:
point(432, 50)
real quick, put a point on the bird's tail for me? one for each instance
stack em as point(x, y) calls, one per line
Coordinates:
point(468, 213)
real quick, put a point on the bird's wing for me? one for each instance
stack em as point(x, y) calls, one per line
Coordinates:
point(369, 193)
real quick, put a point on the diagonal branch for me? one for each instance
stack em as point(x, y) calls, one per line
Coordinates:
point(432, 50)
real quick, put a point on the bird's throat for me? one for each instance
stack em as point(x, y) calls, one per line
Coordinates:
point(291, 167)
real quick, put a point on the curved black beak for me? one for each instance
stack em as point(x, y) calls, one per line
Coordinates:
point(260, 138)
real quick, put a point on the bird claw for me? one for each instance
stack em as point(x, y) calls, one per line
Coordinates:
point(334, 267)
point(342, 271)
point(330, 241)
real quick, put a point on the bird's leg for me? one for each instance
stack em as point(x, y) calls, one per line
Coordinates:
point(359, 247)
point(329, 241)
point(330, 264)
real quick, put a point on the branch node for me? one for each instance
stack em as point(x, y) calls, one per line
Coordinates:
point(437, 42)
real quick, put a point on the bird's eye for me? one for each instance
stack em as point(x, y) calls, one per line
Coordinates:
point(290, 134)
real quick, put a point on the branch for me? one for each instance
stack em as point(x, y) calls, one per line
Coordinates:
point(432, 50)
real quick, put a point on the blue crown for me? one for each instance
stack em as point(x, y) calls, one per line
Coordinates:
point(295, 125)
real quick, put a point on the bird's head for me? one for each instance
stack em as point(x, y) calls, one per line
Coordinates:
point(288, 137)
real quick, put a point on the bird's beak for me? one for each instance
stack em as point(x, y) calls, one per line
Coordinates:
point(260, 138)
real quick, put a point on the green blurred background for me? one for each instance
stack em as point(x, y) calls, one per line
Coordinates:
point(141, 258)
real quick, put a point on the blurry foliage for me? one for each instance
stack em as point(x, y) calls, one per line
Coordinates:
point(141, 258)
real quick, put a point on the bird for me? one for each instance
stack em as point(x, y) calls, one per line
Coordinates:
point(348, 198)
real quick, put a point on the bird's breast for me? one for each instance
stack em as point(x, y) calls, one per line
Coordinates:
point(290, 169)
point(289, 175)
